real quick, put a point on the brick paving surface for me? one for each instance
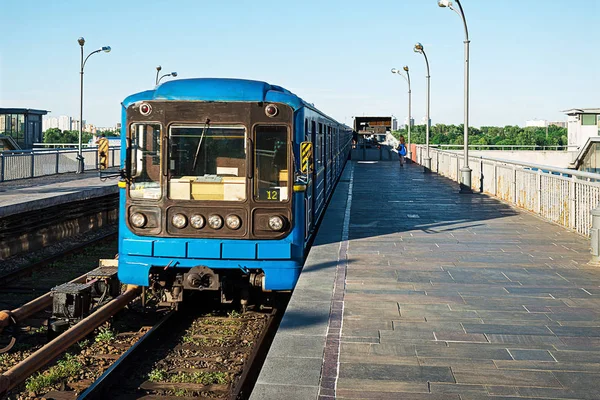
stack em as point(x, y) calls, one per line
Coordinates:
point(451, 296)
point(443, 296)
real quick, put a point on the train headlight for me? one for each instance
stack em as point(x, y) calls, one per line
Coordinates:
point(145, 109)
point(276, 223)
point(138, 220)
point(233, 222)
point(197, 221)
point(215, 221)
point(179, 221)
point(271, 110)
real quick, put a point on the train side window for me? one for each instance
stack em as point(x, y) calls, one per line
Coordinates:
point(145, 161)
point(271, 163)
point(305, 129)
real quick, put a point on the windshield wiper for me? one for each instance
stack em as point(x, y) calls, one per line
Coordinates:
point(206, 125)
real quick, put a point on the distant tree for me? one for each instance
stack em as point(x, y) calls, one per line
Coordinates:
point(55, 135)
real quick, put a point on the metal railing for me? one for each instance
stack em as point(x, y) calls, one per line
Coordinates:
point(506, 147)
point(563, 196)
point(23, 164)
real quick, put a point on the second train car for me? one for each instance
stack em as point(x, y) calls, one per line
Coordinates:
point(225, 182)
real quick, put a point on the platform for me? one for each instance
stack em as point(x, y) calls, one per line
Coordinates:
point(414, 291)
point(33, 194)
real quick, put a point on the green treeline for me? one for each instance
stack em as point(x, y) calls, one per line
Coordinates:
point(488, 135)
point(55, 135)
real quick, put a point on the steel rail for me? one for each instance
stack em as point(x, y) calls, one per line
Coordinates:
point(17, 315)
point(99, 389)
point(60, 344)
point(246, 382)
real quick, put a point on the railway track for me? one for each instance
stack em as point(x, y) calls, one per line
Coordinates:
point(188, 353)
point(23, 272)
point(216, 356)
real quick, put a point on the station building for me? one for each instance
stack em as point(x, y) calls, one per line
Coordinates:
point(20, 128)
point(583, 123)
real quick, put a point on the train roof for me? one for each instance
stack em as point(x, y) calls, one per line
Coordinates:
point(220, 89)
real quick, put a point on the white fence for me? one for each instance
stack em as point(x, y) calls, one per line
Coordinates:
point(21, 164)
point(563, 196)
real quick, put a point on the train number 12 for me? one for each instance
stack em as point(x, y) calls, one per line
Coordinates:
point(269, 194)
point(272, 195)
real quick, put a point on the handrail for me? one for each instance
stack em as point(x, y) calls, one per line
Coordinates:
point(543, 168)
point(564, 196)
point(482, 147)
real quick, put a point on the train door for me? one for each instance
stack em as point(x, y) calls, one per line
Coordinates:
point(308, 198)
point(325, 160)
point(313, 187)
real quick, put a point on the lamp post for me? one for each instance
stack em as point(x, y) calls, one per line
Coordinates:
point(465, 184)
point(407, 78)
point(427, 161)
point(106, 49)
point(173, 74)
point(157, 72)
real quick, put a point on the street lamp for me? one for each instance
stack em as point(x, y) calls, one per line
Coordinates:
point(427, 161)
point(465, 185)
point(407, 78)
point(173, 74)
point(106, 49)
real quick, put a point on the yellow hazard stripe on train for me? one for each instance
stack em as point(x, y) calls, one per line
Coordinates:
point(305, 152)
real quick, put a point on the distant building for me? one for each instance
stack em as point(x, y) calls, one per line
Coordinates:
point(49, 123)
point(536, 123)
point(582, 124)
point(64, 123)
point(560, 124)
point(23, 125)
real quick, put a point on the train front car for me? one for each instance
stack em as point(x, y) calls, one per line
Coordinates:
point(209, 201)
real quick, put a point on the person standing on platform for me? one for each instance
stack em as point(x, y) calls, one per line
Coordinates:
point(401, 150)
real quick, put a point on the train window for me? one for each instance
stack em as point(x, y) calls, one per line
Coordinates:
point(207, 162)
point(271, 163)
point(145, 161)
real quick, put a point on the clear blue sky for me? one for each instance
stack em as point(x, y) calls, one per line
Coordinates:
point(529, 58)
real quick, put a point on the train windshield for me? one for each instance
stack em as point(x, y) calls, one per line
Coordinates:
point(145, 162)
point(271, 163)
point(207, 162)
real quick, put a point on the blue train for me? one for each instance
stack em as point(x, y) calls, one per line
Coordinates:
point(224, 183)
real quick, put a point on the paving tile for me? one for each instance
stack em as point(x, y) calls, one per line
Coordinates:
point(367, 385)
point(549, 366)
point(461, 337)
point(507, 329)
point(263, 391)
point(531, 355)
point(525, 340)
point(575, 331)
point(507, 377)
point(300, 346)
point(306, 371)
point(310, 318)
point(466, 352)
point(398, 373)
point(577, 356)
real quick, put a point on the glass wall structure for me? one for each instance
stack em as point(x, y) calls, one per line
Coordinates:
point(23, 125)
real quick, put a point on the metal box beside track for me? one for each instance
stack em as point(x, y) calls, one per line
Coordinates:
point(71, 301)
